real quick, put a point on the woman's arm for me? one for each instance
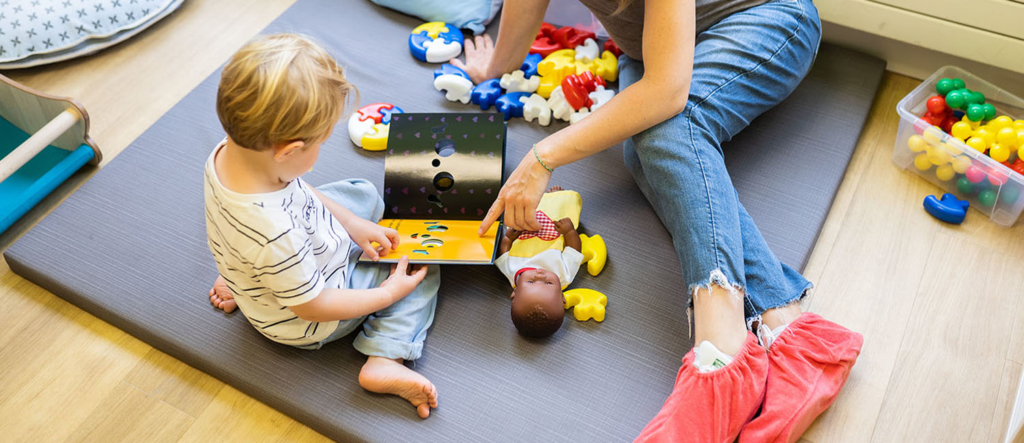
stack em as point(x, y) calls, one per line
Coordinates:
point(520, 21)
point(668, 42)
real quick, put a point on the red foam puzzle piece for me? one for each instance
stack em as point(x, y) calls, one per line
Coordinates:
point(372, 111)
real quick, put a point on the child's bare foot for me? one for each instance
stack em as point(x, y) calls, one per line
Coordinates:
point(555, 189)
point(221, 297)
point(387, 376)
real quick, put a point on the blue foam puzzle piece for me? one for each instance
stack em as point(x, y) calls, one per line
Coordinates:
point(510, 105)
point(448, 68)
point(949, 209)
point(529, 67)
point(452, 35)
point(486, 93)
point(418, 45)
point(385, 114)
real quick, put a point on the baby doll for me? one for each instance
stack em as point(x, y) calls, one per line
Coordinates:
point(540, 264)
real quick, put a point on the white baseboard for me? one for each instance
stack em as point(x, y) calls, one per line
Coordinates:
point(915, 61)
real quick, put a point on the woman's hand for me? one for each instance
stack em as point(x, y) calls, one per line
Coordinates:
point(364, 233)
point(479, 52)
point(520, 196)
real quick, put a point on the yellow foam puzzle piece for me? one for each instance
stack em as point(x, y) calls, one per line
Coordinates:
point(547, 85)
point(432, 28)
point(376, 140)
point(595, 253)
point(606, 67)
point(586, 304)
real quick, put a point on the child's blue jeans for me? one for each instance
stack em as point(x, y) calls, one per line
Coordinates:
point(742, 66)
point(396, 331)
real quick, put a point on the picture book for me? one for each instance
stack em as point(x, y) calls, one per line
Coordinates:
point(442, 172)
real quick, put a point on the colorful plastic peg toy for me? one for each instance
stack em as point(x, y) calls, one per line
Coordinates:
point(949, 209)
point(595, 253)
point(529, 66)
point(610, 46)
point(368, 127)
point(543, 44)
point(570, 37)
point(536, 107)
point(435, 42)
point(448, 68)
point(586, 304)
point(456, 88)
point(517, 81)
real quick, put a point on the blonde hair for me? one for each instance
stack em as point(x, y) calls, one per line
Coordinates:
point(623, 4)
point(278, 89)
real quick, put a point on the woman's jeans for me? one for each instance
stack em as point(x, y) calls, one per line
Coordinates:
point(743, 66)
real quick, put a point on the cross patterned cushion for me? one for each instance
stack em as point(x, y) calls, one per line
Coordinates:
point(35, 32)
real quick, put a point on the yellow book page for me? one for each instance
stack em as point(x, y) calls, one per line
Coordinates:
point(441, 242)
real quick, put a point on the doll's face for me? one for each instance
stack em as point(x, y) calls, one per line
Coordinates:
point(537, 303)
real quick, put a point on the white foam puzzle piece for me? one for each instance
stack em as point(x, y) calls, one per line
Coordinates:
point(517, 82)
point(456, 88)
point(536, 107)
point(358, 128)
point(560, 108)
point(578, 115)
point(587, 51)
point(440, 51)
point(600, 96)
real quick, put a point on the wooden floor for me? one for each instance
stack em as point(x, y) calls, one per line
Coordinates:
point(937, 304)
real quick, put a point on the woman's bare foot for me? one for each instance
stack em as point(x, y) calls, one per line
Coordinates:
point(718, 318)
point(555, 189)
point(221, 297)
point(387, 376)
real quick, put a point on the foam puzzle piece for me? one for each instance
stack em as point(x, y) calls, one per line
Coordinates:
point(558, 64)
point(949, 209)
point(607, 66)
point(600, 96)
point(536, 107)
point(586, 304)
point(544, 46)
point(609, 45)
point(373, 111)
point(578, 115)
point(548, 84)
point(570, 37)
point(509, 104)
point(529, 66)
point(387, 113)
point(358, 127)
point(486, 93)
point(574, 89)
point(545, 30)
point(439, 51)
point(587, 51)
point(448, 68)
point(560, 108)
point(435, 42)
point(595, 253)
point(377, 138)
point(516, 81)
point(456, 88)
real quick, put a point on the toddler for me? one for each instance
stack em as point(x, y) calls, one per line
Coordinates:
point(288, 253)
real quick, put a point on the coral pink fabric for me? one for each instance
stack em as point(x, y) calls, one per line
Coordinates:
point(713, 406)
point(807, 366)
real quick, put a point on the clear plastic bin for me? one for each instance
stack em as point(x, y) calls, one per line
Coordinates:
point(1007, 185)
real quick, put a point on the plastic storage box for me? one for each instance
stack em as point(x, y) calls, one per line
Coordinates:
point(989, 181)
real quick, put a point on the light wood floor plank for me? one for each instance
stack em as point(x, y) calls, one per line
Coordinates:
point(235, 417)
point(1004, 399)
point(174, 382)
point(129, 415)
point(953, 348)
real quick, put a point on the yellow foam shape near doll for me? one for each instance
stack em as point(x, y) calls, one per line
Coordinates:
point(586, 303)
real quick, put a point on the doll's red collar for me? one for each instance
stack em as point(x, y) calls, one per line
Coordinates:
point(516, 278)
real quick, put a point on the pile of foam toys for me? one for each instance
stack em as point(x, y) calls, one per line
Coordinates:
point(564, 77)
point(964, 115)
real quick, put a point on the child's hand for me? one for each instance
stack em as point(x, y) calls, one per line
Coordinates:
point(365, 233)
point(512, 233)
point(564, 226)
point(402, 281)
point(479, 51)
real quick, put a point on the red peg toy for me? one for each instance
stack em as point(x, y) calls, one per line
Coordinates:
point(570, 37)
point(610, 46)
point(575, 91)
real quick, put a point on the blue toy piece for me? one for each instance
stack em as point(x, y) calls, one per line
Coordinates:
point(529, 67)
point(510, 105)
point(448, 68)
point(387, 113)
point(486, 93)
point(418, 45)
point(435, 42)
point(949, 209)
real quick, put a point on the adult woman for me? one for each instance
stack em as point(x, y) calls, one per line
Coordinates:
point(694, 73)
